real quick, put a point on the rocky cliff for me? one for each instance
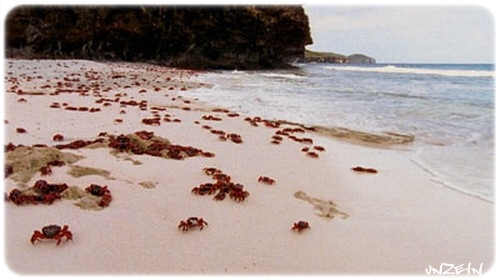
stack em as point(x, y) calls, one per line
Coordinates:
point(235, 37)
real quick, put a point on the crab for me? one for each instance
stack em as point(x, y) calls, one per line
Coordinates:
point(319, 148)
point(44, 193)
point(17, 197)
point(238, 194)
point(306, 141)
point(54, 232)
point(266, 180)
point(221, 187)
point(203, 189)
point(363, 169)
point(236, 138)
point(102, 192)
point(222, 178)
point(97, 190)
point(312, 154)
point(105, 200)
point(220, 195)
point(277, 137)
point(300, 226)
point(192, 222)
point(211, 171)
point(45, 170)
point(43, 187)
point(58, 137)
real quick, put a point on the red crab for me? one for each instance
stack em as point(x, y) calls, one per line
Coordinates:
point(207, 154)
point(220, 195)
point(192, 222)
point(236, 138)
point(211, 171)
point(306, 140)
point(58, 137)
point(222, 178)
point(277, 137)
point(44, 193)
point(45, 170)
point(203, 189)
point(319, 148)
point(300, 226)
point(19, 198)
point(237, 193)
point(312, 154)
point(363, 169)
point(266, 180)
point(103, 192)
point(54, 232)
point(105, 200)
point(97, 190)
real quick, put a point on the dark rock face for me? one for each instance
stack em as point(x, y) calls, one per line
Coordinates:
point(237, 37)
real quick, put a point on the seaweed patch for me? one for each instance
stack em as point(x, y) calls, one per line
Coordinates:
point(148, 184)
point(78, 171)
point(26, 161)
point(322, 208)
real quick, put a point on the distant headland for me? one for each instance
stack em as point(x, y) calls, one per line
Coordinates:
point(331, 57)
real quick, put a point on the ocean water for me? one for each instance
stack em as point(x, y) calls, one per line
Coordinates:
point(448, 108)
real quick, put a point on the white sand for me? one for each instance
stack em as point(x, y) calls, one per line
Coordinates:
point(400, 221)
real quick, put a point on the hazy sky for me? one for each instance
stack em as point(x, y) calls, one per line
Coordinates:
point(417, 34)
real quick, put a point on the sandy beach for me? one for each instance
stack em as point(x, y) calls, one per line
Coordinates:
point(395, 221)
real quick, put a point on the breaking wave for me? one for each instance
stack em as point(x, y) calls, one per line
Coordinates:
point(414, 70)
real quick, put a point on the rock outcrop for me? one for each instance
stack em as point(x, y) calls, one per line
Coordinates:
point(228, 37)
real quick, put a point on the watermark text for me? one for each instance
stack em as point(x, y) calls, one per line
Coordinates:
point(452, 269)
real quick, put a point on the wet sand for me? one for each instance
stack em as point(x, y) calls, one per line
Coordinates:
point(394, 221)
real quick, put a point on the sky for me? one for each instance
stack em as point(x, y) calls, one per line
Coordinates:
point(405, 34)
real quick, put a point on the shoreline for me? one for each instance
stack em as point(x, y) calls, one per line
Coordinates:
point(450, 186)
point(392, 214)
point(458, 150)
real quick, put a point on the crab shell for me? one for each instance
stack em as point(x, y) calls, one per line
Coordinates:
point(51, 231)
point(193, 221)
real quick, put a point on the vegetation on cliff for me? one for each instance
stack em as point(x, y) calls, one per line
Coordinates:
point(228, 37)
point(330, 57)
